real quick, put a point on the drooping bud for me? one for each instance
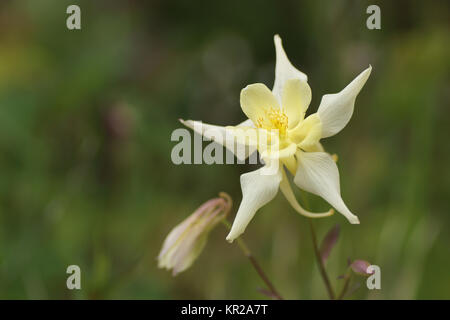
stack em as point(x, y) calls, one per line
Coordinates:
point(186, 241)
point(360, 267)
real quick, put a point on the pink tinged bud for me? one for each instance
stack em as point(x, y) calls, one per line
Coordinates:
point(360, 267)
point(186, 241)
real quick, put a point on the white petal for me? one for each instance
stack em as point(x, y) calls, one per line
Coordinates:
point(228, 139)
point(317, 173)
point(286, 189)
point(257, 190)
point(246, 123)
point(284, 70)
point(336, 109)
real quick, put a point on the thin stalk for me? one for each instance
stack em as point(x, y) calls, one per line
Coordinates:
point(322, 269)
point(344, 289)
point(244, 248)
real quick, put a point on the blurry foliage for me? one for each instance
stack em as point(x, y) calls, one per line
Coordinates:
point(85, 124)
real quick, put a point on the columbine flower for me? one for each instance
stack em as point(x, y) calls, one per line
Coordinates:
point(186, 241)
point(297, 143)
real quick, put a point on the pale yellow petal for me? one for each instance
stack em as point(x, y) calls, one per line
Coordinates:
point(314, 148)
point(291, 164)
point(274, 152)
point(256, 100)
point(295, 100)
point(308, 133)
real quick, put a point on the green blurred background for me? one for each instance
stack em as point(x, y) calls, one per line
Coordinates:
point(85, 124)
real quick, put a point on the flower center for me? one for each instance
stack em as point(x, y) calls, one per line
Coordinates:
point(274, 119)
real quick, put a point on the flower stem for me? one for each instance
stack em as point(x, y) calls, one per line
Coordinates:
point(322, 270)
point(244, 248)
point(344, 290)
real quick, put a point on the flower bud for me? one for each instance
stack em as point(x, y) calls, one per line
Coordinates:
point(360, 267)
point(186, 241)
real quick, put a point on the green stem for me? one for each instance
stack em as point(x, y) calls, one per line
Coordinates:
point(244, 248)
point(322, 269)
point(343, 292)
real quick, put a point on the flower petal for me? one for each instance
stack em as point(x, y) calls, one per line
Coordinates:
point(172, 240)
point(284, 70)
point(246, 123)
point(265, 141)
point(256, 100)
point(188, 252)
point(315, 148)
point(286, 189)
point(336, 109)
point(295, 100)
point(360, 267)
point(308, 133)
point(317, 173)
point(257, 190)
point(274, 152)
point(223, 136)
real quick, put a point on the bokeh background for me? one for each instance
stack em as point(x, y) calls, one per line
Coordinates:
point(86, 118)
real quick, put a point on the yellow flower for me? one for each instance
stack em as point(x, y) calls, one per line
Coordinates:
point(278, 129)
point(186, 241)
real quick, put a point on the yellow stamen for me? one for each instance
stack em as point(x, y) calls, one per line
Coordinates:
point(274, 119)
